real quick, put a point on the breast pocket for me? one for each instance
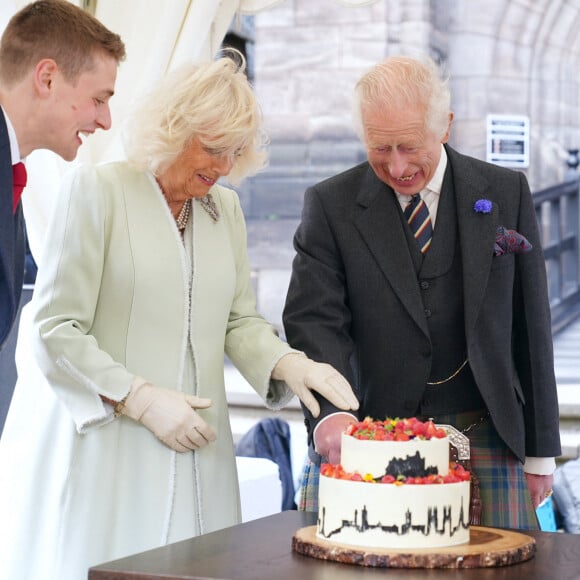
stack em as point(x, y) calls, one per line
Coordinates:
point(504, 261)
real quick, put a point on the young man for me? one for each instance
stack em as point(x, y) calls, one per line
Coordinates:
point(58, 66)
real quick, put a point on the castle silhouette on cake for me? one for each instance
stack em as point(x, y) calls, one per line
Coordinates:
point(411, 466)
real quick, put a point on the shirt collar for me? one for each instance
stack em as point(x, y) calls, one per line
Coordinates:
point(436, 182)
point(14, 149)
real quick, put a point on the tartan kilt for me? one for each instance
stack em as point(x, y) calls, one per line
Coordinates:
point(505, 499)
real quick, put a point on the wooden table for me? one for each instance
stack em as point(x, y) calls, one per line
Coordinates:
point(262, 550)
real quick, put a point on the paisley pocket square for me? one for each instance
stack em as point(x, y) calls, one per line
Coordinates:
point(510, 242)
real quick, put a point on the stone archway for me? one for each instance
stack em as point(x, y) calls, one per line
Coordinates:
point(509, 57)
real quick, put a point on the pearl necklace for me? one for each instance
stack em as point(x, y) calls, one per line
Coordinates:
point(183, 217)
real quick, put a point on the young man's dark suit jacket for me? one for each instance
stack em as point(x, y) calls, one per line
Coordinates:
point(354, 300)
point(12, 244)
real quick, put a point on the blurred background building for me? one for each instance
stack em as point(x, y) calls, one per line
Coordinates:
point(515, 58)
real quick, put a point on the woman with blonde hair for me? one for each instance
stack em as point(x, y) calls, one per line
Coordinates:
point(144, 286)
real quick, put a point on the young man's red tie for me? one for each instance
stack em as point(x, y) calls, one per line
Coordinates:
point(19, 182)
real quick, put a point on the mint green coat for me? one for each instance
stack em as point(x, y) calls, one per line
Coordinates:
point(112, 301)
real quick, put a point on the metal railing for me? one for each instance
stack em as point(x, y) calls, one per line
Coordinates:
point(558, 213)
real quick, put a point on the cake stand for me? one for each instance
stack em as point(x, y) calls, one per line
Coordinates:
point(487, 547)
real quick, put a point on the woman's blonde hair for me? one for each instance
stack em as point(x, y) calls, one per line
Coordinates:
point(212, 102)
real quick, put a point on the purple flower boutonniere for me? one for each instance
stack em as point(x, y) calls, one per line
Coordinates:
point(482, 206)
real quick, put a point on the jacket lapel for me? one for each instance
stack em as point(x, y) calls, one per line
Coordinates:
point(476, 233)
point(7, 218)
point(379, 213)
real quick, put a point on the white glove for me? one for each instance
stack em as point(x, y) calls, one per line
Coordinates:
point(169, 415)
point(303, 375)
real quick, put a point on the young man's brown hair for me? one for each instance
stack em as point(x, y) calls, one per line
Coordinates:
point(58, 30)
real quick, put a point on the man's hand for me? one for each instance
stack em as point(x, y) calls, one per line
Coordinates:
point(328, 435)
point(540, 487)
point(169, 415)
point(303, 375)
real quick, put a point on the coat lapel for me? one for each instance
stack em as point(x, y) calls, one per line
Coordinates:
point(380, 213)
point(7, 218)
point(476, 233)
point(11, 238)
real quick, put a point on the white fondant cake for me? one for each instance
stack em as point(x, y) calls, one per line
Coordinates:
point(393, 494)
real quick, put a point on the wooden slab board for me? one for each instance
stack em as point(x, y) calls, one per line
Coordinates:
point(487, 547)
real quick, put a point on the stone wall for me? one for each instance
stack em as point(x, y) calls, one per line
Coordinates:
point(517, 57)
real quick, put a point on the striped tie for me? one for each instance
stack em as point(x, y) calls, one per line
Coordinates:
point(418, 217)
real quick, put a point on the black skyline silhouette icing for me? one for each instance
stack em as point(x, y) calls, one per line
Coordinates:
point(407, 527)
point(411, 466)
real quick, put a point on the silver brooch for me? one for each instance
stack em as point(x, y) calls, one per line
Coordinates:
point(210, 207)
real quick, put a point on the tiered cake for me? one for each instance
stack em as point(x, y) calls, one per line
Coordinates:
point(395, 488)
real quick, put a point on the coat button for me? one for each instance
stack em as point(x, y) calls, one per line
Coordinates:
point(424, 285)
point(427, 312)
